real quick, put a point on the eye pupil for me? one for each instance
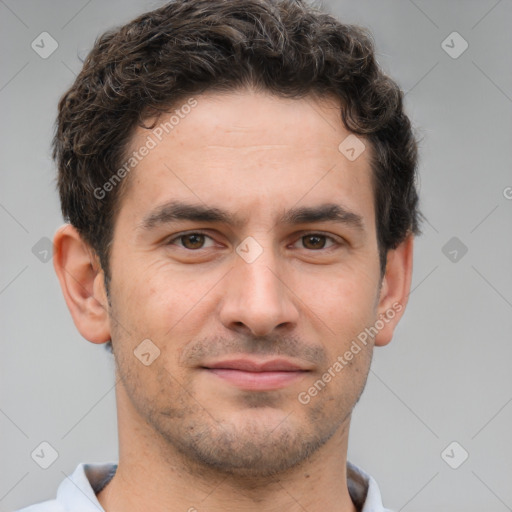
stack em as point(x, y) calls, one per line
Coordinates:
point(196, 238)
point(315, 239)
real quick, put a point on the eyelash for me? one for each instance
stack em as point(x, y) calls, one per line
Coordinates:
point(178, 237)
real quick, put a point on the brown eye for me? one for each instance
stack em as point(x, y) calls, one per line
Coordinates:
point(192, 240)
point(319, 242)
point(315, 241)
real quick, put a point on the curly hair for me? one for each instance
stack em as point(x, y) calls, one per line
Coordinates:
point(186, 47)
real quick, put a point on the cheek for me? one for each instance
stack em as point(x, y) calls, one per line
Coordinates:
point(149, 292)
point(344, 307)
point(164, 305)
point(344, 301)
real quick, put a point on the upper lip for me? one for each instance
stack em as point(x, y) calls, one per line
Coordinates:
point(253, 365)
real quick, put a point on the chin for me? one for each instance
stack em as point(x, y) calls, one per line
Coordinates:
point(255, 444)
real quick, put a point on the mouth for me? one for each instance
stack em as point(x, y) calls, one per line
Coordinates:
point(256, 375)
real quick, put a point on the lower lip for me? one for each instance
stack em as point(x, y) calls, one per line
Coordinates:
point(257, 381)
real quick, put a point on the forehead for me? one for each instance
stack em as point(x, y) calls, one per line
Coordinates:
point(244, 147)
point(229, 118)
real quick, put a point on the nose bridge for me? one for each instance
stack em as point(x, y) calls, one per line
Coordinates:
point(256, 295)
point(259, 276)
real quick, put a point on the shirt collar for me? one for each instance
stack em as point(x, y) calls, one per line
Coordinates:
point(363, 490)
point(78, 491)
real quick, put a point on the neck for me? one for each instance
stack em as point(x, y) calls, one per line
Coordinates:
point(152, 475)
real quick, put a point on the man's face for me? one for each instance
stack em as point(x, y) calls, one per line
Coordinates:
point(246, 315)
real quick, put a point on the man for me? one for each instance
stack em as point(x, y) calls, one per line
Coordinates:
point(239, 181)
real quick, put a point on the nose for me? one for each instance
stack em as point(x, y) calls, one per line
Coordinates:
point(258, 297)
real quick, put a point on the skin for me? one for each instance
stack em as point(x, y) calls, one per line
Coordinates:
point(189, 439)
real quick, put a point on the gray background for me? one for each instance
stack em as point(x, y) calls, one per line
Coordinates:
point(445, 377)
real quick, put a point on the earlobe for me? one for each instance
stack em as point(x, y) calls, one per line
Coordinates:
point(81, 281)
point(395, 290)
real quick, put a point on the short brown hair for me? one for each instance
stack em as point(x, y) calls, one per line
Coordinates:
point(186, 47)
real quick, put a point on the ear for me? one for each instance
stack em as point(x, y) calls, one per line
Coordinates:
point(395, 289)
point(81, 279)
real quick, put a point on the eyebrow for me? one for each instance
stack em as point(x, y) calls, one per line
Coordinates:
point(179, 211)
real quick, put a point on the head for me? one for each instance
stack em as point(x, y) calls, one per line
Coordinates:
point(242, 108)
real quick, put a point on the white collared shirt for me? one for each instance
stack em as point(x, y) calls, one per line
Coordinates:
point(77, 493)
